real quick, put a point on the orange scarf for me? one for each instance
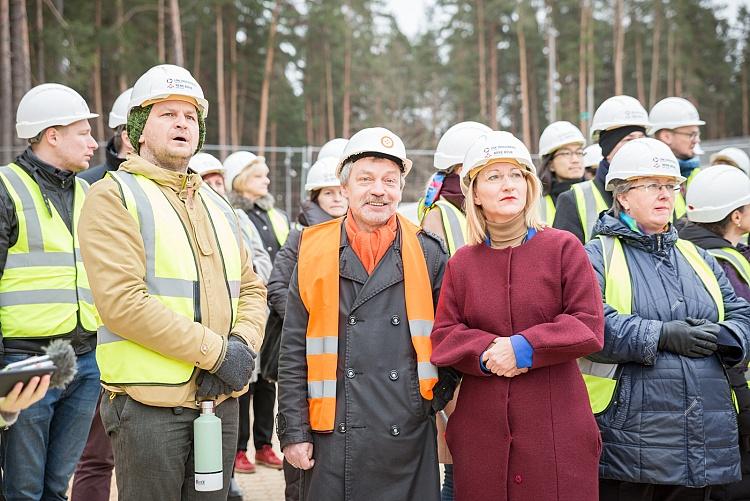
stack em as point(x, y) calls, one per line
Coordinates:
point(370, 247)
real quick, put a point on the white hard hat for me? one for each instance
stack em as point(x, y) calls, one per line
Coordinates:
point(643, 157)
point(47, 105)
point(163, 81)
point(322, 174)
point(733, 156)
point(616, 112)
point(333, 148)
point(592, 155)
point(119, 113)
point(494, 145)
point(715, 192)
point(452, 146)
point(377, 140)
point(205, 163)
point(673, 112)
point(236, 163)
point(558, 134)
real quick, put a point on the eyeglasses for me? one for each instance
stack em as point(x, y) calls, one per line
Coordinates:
point(655, 188)
point(568, 154)
point(692, 135)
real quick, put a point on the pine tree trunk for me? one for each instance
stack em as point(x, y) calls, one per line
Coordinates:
point(20, 58)
point(346, 105)
point(178, 54)
point(582, 40)
point(234, 120)
point(526, 127)
point(267, 75)
point(482, 61)
point(655, 53)
point(552, 63)
point(39, 42)
point(161, 38)
point(670, 63)
point(745, 97)
point(122, 75)
point(97, 76)
point(329, 96)
point(591, 63)
point(493, 55)
point(619, 35)
point(639, 78)
point(309, 132)
point(7, 112)
point(220, 89)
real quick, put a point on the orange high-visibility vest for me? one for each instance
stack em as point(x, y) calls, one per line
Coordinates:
point(318, 278)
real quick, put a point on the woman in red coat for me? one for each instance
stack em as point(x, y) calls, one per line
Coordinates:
point(519, 304)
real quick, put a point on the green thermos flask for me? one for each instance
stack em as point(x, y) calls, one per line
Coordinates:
point(207, 450)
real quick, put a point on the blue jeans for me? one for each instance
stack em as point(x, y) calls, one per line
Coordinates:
point(43, 447)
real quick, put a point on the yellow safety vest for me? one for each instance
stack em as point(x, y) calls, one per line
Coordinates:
point(547, 209)
point(44, 291)
point(601, 379)
point(692, 175)
point(680, 206)
point(737, 260)
point(279, 225)
point(454, 223)
point(590, 204)
point(171, 277)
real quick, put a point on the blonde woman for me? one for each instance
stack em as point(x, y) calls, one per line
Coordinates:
point(519, 305)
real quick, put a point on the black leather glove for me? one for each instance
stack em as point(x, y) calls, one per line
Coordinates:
point(238, 364)
point(683, 338)
point(442, 392)
point(210, 386)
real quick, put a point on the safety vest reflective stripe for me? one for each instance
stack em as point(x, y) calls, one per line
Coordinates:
point(279, 224)
point(171, 276)
point(601, 379)
point(454, 225)
point(734, 258)
point(590, 204)
point(44, 266)
point(547, 209)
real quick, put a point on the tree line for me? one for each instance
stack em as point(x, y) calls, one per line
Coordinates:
point(288, 72)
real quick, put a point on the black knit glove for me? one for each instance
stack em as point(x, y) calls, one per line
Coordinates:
point(238, 364)
point(685, 338)
point(210, 386)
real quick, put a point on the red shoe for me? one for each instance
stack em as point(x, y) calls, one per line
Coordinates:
point(266, 457)
point(242, 464)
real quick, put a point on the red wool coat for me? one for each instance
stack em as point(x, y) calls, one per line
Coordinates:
point(532, 437)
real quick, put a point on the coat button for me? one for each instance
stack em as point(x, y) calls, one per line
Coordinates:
point(518, 479)
point(265, 227)
point(395, 320)
point(269, 248)
point(342, 428)
point(395, 431)
point(393, 375)
point(350, 373)
point(352, 320)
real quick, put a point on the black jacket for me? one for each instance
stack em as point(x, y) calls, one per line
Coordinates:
point(57, 188)
point(113, 162)
point(566, 209)
point(286, 259)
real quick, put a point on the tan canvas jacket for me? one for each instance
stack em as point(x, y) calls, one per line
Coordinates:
point(114, 257)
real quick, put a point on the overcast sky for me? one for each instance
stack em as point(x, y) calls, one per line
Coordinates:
point(410, 14)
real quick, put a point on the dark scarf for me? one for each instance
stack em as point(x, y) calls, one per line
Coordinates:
point(560, 187)
point(451, 190)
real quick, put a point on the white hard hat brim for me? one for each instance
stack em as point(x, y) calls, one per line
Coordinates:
point(635, 175)
point(405, 163)
point(27, 130)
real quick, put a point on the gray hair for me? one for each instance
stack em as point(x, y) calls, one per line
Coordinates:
point(620, 187)
point(346, 171)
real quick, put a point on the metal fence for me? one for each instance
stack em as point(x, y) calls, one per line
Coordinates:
point(289, 166)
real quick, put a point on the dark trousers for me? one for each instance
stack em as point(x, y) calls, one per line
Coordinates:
point(93, 476)
point(615, 490)
point(244, 427)
point(264, 400)
point(293, 480)
point(153, 449)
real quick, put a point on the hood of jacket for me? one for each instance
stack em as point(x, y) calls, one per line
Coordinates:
point(187, 182)
point(311, 214)
point(658, 243)
point(703, 237)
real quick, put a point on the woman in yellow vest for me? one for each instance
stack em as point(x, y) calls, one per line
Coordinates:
point(672, 324)
point(561, 150)
point(719, 214)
